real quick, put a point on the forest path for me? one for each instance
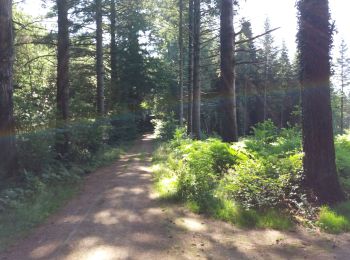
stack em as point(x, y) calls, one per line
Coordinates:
point(117, 216)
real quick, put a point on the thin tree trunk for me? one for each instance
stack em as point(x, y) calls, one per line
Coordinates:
point(227, 87)
point(342, 102)
point(62, 142)
point(7, 129)
point(265, 86)
point(196, 117)
point(113, 53)
point(190, 67)
point(181, 62)
point(314, 46)
point(99, 60)
point(245, 111)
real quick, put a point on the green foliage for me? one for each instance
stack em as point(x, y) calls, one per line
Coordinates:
point(236, 183)
point(164, 129)
point(330, 221)
point(342, 146)
point(268, 140)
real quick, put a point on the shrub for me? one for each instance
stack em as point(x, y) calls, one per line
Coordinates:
point(35, 150)
point(258, 173)
point(123, 128)
point(165, 128)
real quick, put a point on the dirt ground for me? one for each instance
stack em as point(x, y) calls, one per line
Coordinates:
point(117, 216)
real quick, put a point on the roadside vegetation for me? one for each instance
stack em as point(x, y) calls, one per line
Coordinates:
point(256, 182)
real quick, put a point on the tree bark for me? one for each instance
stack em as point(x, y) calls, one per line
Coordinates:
point(196, 117)
point(100, 71)
point(190, 67)
point(62, 142)
point(181, 62)
point(113, 53)
point(7, 129)
point(227, 87)
point(315, 39)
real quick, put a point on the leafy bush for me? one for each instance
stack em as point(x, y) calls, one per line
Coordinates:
point(165, 128)
point(259, 183)
point(263, 171)
point(123, 128)
point(35, 150)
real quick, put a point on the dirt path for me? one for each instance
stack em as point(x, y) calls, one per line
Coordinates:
point(116, 216)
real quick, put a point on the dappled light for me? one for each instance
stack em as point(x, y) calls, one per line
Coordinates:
point(191, 224)
point(174, 129)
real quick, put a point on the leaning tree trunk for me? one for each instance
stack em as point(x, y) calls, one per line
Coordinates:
point(100, 72)
point(181, 62)
point(7, 130)
point(62, 142)
point(190, 67)
point(113, 53)
point(315, 39)
point(227, 87)
point(196, 117)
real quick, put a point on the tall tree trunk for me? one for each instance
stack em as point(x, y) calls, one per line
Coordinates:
point(227, 87)
point(265, 87)
point(7, 129)
point(100, 72)
point(62, 142)
point(315, 39)
point(113, 53)
point(190, 67)
point(196, 116)
point(181, 61)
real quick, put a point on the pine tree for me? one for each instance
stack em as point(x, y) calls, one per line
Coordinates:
point(190, 67)
point(248, 99)
point(196, 117)
point(227, 86)
point(100, 71)
point(344, 78)
point(7, 129)
point(268, 56)
point(63, 46)
point(113, 54)
point(181, 61)
point(314, 41)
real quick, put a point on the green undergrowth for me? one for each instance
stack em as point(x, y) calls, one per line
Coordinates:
point(256, 182)
point(336, 219)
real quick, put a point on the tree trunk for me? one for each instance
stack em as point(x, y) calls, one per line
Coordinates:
point(113, 53)
point(7, 129)
point(190, 67)
point(100, 72)
point(227, 86)
point(196, 117)
point(62, 142)
point(315, 38)
point(342, 101)
point(181, 61)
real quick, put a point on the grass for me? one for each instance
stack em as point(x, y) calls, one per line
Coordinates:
point(165, 184)
point(335, 220)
